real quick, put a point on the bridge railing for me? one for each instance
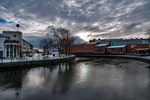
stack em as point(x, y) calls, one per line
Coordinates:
point(140, 56)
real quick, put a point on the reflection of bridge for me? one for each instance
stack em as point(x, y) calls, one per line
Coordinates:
point(144, 58)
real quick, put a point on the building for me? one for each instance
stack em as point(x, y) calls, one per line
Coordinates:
point(13, 45)
point(2, 44)
point(84, 48)
point(51, 51)
point(113, 46)
point(27, 48)
point(101, 48)
point(119, 49)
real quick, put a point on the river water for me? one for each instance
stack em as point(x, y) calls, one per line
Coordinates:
point(82, 79)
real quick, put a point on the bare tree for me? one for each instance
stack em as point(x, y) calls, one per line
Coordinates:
point(60, 39)
point(63, 40)
point(148, 32)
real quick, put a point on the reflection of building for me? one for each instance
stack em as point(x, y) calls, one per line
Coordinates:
point(113, 46)
point(12, 80)
point(12, 45)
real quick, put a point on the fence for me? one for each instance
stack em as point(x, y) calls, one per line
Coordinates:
point(36, 58)
point(33, 58)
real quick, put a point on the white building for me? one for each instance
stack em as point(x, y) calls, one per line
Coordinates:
point(12, 45)
point(2, 44)
point(51, 51)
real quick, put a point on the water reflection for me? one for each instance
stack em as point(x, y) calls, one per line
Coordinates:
point(94, 79)
point(11, 82)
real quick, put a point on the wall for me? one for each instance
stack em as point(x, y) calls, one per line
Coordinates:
point(131, 48)
point(26, 47)
point(2, 40)
point(76, 49)
point(29, 64)
point(149, 43)
point(104, 50)
point(123, 51)
point(14, 35)
point(87, 48)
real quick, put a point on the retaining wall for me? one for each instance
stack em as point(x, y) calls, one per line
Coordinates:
point(29, 64)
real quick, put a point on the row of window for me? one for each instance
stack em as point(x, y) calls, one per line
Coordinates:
point(12, 50)
point(82, 50)
point(123, 42)
point(99, 49)
point(116, 50)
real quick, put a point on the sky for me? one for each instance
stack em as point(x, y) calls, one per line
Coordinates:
point(87, 19)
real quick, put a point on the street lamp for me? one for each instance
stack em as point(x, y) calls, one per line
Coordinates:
point(17, 25)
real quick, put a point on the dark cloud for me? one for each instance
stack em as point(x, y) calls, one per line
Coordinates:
point(101, 18)
point(130, 27)
point(34, 40)
point(93, 29)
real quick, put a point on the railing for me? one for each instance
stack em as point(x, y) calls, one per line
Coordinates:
point(33, 58)
point(37, 58)
point(132, 56)
point(140, 56)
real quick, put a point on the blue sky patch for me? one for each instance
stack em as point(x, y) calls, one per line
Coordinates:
point(4, 21)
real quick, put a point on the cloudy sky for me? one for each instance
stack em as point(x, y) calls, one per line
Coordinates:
point(85, 18)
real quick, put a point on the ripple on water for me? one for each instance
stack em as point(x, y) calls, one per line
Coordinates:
point(84, 79)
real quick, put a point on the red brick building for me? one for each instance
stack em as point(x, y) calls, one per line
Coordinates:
point(120, 49)
point(113, 46)
point(101, 48)
point(84, 48)
point(137, 48)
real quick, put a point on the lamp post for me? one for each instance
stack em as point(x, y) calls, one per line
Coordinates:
point(17, 25)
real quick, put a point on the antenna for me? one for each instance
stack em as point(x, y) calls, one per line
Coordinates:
point(17, 25)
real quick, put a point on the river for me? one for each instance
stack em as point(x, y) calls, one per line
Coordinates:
point(82, 79)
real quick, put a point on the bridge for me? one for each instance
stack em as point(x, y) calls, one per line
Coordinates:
point(139, 57)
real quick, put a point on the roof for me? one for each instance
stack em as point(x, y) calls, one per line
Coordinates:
point(12, 32)
point(3, 35)
point(100, 45)
point(92, 43)
point(27, 42)
point(117, 46)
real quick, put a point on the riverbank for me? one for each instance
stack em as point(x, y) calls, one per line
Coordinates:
point(35, 63)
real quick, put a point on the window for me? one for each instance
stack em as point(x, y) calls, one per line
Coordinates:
point(11, 50)
point(7, 50)
point(116, 50)
point(99, 49)
point(144, 41)
point(14, 35)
